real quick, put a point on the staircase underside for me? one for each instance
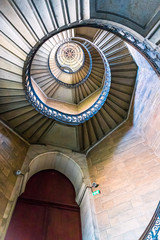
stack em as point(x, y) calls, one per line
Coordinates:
point(17, 39)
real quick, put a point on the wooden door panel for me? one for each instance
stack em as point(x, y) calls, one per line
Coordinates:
point(47, 210)
point(63, 224)
point(50, 186)
point(27, 223)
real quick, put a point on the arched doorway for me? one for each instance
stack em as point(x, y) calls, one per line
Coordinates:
point(46, 210)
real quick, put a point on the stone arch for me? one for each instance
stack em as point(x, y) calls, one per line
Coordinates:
point(62, 163)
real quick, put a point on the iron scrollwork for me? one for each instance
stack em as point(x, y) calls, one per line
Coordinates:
point(70, 119)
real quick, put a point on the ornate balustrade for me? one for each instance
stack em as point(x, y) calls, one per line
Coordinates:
point(71, 119)
point(152, 231)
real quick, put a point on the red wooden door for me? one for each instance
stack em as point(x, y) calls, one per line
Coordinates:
point(64, 222)
point(46, 210)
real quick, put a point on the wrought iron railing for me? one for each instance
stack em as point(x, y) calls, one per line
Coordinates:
point(152, 231)
point(71, 119)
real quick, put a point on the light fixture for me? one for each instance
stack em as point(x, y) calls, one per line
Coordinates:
point(95, 185)
point(18, 173)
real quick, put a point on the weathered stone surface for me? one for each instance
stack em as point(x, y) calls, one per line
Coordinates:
point(128, 13)
point(127, 163)
point(12, 154)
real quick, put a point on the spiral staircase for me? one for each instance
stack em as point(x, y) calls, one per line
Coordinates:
point(83, 103)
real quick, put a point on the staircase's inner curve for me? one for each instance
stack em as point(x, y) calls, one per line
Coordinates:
point(37, 127)
point(60, 109)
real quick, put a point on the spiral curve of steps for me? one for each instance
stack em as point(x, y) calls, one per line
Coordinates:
point(17, 112)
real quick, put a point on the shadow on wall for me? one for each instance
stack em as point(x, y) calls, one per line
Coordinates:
point(109, 145)
point(146, 116)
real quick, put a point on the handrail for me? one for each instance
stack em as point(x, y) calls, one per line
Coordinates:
point(152, 231)
point(71, 119)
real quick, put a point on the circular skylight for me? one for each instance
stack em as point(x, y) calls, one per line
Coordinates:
point(70, 57)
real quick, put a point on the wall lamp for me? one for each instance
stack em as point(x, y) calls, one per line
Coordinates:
point(94, 185)
point(18, 173)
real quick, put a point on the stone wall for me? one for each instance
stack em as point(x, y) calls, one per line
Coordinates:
point(127, 164)
point(128, 172)
point(147, 103)
point(12, 154)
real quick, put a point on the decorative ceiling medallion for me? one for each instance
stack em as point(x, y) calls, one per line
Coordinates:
point(66, 68)
point(70, 57)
